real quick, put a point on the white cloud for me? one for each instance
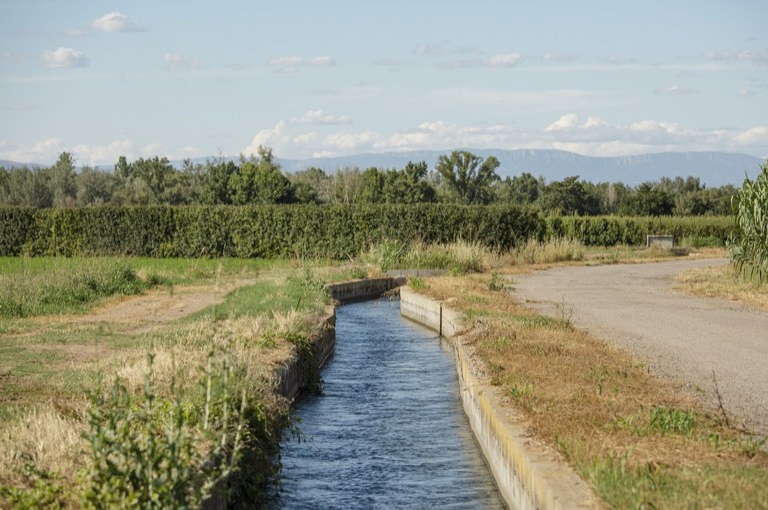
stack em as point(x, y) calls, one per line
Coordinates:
point(287, 65)
point(321, 118)
point(747, 92)
point(557, 57)
point(115, 22)
point(443, 50)
point(674, 90)
point(757, 57)
point(501, 61)
point(62, 58)
point(594, 137)
point(276, 138)
point(505, 60)
point(174, 62)
point(564, 123)
point(44, 151)
point(595, 122)
point(755, 136)
point(104, 154)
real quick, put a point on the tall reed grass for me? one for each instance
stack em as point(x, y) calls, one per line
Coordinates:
point(749, 246)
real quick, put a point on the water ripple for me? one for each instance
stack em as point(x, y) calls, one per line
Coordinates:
point(388, 430)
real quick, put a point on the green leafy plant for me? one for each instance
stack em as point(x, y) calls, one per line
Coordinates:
point(749, 245)
point(153, 452)
point(668, 420)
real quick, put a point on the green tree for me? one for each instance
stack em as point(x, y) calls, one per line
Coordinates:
point(345, 186)
point(520, 189)
point(61, 178)
point(467, 178)
point(260, 181)
point(372, 190)
point(95, 187)
point(649, 200)
point(311, 186)
point(567, 197)
point(216, 186)
point(410, 186)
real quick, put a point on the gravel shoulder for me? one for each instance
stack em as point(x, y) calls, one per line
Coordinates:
point(683, 338)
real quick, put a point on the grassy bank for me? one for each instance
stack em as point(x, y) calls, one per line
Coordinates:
point(152, 397)
point(724, 282)
point(638, 441)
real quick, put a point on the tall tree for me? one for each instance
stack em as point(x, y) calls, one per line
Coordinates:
point(649, 200)
point(467, 178)
point(95, 187)
point(568, 196)
point(216, 185)
point(61, 178)
point(260, 181)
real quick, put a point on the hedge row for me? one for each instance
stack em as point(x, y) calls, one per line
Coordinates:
point(310, 231)
point(613, 230)
point(306, 231)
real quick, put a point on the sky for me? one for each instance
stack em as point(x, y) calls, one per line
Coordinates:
point(190, 79)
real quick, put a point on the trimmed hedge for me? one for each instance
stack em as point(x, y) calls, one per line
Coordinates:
point(312, 231)
point(613, 230)
point(268, 231)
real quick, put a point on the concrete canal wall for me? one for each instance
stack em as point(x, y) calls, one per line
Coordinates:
point(528, 475)
point(291, 377)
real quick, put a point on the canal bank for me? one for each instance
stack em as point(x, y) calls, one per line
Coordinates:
point(527, 474)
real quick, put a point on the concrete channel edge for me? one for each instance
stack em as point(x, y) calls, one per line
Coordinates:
point(528, 474)
point(290, 378)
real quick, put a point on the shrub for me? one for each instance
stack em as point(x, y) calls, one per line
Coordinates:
point(153, 452)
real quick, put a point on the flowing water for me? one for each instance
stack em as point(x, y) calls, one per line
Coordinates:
point(388, 430)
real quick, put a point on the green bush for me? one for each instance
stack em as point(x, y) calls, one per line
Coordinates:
point(156, 452)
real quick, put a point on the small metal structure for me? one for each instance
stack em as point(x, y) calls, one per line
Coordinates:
point(665, 241)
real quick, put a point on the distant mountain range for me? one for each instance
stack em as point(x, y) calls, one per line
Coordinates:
point(713, 168)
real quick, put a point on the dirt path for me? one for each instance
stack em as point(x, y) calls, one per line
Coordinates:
point(683, 338)
point(149, 311)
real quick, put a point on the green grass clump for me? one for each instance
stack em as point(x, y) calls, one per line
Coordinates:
point(70, 287)
point(458, 258)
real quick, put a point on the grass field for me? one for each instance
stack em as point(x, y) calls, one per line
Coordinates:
point(67, 324)
point(638, 441)
point(199, 320)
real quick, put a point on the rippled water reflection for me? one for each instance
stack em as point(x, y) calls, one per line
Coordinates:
point(388, 430)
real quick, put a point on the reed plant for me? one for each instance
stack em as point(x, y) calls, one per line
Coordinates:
point(749, 245)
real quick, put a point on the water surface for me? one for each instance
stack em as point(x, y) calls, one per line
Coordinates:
point(388, 430)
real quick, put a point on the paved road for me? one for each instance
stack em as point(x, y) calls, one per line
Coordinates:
point(682, 337)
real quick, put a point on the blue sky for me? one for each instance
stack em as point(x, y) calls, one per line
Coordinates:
point(308, 78)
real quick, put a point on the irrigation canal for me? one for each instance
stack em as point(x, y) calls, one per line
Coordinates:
point(389, 430)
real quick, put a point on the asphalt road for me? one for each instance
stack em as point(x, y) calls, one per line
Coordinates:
point(683, 338)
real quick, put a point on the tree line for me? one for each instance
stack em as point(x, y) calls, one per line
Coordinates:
point(459, 177)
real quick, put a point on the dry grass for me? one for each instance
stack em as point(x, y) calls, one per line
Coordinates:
point(45, 437)
point(42, 403)
point(602, 409)
point(725, 283)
